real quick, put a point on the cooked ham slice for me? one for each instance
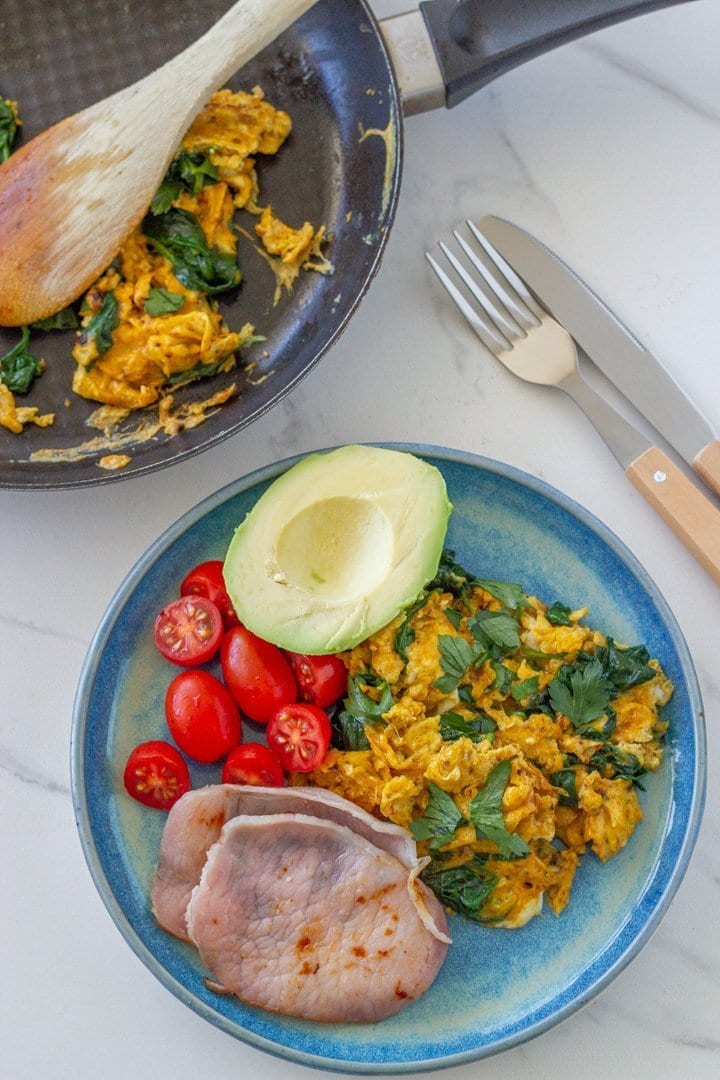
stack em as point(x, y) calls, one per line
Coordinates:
point(304, 916)
point(195, 821)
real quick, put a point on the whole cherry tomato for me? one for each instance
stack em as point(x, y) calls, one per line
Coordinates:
point(202, 717)
point(321, 679)
point(206, 579)
point(256, 673)
point(188, 630)
point(156, 774)
point(299, 736)
point(253, 763)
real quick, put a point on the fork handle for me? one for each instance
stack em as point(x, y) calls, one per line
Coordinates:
point(707, 465)
point(692, 517)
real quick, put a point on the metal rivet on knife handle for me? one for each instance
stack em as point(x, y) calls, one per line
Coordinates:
point(707, 465)
point(692, 517)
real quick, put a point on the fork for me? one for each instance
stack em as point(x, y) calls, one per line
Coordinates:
point(534, 346)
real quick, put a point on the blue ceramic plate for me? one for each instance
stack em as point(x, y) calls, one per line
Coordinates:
point(496, 988)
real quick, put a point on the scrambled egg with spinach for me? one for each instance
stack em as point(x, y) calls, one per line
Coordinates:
point(505, 734)
point(150, 324)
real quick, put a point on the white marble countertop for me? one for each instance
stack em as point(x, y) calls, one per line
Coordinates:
point(609, 149)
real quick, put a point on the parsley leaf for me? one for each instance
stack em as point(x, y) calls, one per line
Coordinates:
point(161, 301)
point(440, 819)
point(456, 656)
point(8, 128)
point(525, 688)
point(463, 888)
point(190, 170)
point(558, 614)
point(503, 677)
point(486, 814)
point(453, 617)
point(512, 596)
point(584, 697)
point(360, 709)
point(406, 635)
point(495, 628)
point(19, 368)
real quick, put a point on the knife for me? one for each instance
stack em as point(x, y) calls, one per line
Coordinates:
point(611, 346)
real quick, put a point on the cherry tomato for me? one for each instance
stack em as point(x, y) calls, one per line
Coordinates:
point(206, 579)
point(156, 774)
point(188, 631)
point(299, 736)
point(202, 717)
point(321, 679)
point(256, 673)
point(253, 763)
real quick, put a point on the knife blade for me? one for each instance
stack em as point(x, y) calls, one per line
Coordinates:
point(633, 369)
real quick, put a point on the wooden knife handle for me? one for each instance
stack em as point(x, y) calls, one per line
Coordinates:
point(691, 516)
point(707, 465)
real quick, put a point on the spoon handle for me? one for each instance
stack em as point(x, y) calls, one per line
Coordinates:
point(243, 31)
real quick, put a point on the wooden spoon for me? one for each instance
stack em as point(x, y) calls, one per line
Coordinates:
point(70, 196)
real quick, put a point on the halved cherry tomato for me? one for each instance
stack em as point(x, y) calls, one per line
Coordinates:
point(253, 763)
point(206, 579)
point(256, 673)
point(188, 631)
point(321, 679)
point(299, 736)
point(202, 717)
point(156, 774)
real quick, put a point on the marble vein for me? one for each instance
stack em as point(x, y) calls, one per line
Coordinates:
point(20, 771)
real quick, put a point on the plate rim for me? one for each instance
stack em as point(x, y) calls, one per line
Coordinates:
point(78, 790)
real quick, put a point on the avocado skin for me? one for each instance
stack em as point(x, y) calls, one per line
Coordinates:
point(336, 547)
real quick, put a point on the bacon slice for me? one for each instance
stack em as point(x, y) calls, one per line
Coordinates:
point(304, 916)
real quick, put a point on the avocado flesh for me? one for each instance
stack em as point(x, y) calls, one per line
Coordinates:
point(336, 547)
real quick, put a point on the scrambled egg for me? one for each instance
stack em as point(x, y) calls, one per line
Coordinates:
point(151, 352)
point(570, 784)
point(132, 352)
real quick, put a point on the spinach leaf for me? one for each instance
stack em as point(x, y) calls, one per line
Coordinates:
point(19, 368)
point(360, 709)
point(190, 170)
point(456, 656)
point(101, 326)
point(455, 726)
point(581, 694)
point(499, 628)
point(565, 779)
point(450, 576)
point(486, 814)
point(8, 129)
point(440, 818)
point(200, 371)
point(179, 238)
point(161, 301)
point(61, 320)
point(626, 766)
point(512, 596)
point(558, 614)
point(463, 888)
point(406, 635)
point(624, 668)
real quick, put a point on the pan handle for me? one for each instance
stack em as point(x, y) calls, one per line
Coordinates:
point(448, 49)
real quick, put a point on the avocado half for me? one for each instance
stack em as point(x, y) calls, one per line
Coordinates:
point(336, 547)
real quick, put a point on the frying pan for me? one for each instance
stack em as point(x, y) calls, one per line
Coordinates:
point(342, 76)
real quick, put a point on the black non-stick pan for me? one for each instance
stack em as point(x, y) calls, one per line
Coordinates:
point(333, 73)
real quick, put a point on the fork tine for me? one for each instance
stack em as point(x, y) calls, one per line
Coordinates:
point(487, 333)
point(508, 273)
point(507, 326)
